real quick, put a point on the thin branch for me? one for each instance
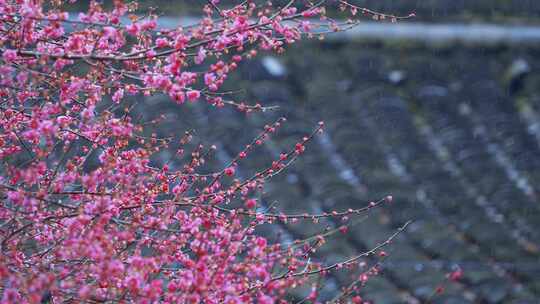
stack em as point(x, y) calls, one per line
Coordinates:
point(331, 267)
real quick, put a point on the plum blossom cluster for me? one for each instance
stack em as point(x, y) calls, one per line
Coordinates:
point(117, 227)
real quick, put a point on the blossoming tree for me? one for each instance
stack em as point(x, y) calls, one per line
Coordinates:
point(128, 229)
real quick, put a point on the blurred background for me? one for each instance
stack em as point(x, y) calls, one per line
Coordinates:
point(441, 111)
